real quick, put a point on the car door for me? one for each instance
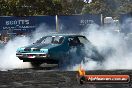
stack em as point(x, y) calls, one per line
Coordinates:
point(76, 49)
point(88, 50)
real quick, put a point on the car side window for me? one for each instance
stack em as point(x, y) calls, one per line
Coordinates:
point(83, 40)
point(73, 41)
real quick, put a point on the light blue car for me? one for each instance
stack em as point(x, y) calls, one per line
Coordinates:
point(58, 49)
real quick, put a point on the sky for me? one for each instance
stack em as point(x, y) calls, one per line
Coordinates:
point(87, 1)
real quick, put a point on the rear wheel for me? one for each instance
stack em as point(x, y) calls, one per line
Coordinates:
point(82, 80)
point(64, 62)
point(36, 64)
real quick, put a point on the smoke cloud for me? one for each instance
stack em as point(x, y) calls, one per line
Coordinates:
point(113, 45)
point(8, 57)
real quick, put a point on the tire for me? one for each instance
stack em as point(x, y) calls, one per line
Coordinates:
point(62, 65)
point(64, 62)
point(36, 64)
point(82, 80)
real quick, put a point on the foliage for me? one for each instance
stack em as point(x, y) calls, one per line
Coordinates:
point(39, 7)
point(63, 7)
point(97, 7)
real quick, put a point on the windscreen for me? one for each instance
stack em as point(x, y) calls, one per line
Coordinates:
point(51, 40)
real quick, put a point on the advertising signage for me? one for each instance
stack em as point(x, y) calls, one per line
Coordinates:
point(78, 22)
point(25, 24)
point(126, 23)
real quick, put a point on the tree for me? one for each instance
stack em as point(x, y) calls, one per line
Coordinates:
point(40, 7)
point(64, 7)
point(97, 7)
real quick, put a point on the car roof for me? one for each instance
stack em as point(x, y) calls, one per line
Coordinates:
point(65, 35)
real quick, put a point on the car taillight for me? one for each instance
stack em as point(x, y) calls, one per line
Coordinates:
point(43, 55)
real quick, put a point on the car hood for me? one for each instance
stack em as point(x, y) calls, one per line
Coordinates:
point(40, 46)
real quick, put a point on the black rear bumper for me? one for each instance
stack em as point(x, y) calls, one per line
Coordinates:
point(44, 60)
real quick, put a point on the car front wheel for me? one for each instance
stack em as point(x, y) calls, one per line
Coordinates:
point(36, 64)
